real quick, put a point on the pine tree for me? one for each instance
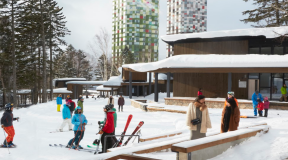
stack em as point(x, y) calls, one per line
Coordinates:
point(128, 56)
point(270, 13)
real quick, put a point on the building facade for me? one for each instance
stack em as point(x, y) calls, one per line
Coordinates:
point(135, 27)
point(185, 16)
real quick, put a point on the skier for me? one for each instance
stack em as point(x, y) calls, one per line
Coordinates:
point(80, 96)
point(255, 98)
point(111, 100)
point(80, 103)
point(121, 102)
point(59, 102)
point(7, 124)
point(79, 121)
point(108, 128)
point(66, 118)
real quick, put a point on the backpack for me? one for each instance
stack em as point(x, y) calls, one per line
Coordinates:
point(72, 106)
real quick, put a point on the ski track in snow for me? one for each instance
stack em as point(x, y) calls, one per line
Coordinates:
point(32, 135)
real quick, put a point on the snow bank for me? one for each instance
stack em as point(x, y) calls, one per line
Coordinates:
point(213, 61)
point(270, 32)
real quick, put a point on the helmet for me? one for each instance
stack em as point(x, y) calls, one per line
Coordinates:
point(108, 107)
point(78, 108)
point(8, 106)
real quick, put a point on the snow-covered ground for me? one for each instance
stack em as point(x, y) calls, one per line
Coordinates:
point(33, 137)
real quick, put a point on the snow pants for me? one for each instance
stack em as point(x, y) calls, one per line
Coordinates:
point(66, 121)
point(109, 142)
point(260, 113)
point(266, 113)
point(58, 107)
point(255, 109)
point(78, 137)
point(11, 132)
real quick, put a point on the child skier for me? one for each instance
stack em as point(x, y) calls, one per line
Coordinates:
point(266, 106)
point(108, 128)
point(260, 107)
point(7, 124)
point(66, 118)
point(79, 121)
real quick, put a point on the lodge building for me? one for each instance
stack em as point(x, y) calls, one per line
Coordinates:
point(243, 61)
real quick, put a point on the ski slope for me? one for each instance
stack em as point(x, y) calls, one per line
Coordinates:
point(36, 122)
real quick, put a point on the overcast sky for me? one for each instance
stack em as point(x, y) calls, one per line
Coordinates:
point(85, 17)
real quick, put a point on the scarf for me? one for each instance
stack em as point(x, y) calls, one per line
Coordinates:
point(201, 106)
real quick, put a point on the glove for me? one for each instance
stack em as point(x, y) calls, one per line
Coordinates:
point(99, 122)
point(2, 126)
point(101, 132)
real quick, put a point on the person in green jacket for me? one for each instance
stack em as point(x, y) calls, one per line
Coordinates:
point(283, 92)
point(80, 103)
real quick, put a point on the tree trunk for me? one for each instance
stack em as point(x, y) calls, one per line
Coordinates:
point(105, 68)
point(39, 75)
point(14, 58)
point(277, 13)
point(51, 61)
point(44, 90)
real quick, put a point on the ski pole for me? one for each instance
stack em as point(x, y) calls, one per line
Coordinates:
point(81, 135)
point(6, 141)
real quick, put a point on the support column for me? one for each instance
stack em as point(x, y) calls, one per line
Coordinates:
point(229, 82)
point(150, 86)
point(130, 85)
point(144, 91)
point(137, 90)
point(156, 88)
point(112, 91)
point(168, 84)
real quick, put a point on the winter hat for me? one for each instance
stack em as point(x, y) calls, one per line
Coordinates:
point(231, 93)
point(266, 99)
point(201, 97)
point(107, 107)
point(256, 92)
point(259, 100)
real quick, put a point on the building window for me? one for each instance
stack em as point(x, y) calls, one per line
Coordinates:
point(266, 50)
point(278, 50)
point(253, 75)
point(254, 50)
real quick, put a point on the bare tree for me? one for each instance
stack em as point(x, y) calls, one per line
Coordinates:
point(101, 47)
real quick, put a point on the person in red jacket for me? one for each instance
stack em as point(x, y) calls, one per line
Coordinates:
point(260, 107)
point(108, 128)
point(200, 92)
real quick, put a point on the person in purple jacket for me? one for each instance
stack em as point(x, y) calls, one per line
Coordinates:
point(266, 106)
point(121, 103)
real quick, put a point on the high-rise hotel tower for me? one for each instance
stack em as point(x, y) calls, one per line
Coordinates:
point(185, 16)
point(135, 26)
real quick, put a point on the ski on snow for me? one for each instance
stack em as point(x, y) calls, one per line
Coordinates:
point(64, 146)
point(97, 141)
point(133, 133)
point(2, 146)
point(119, 143)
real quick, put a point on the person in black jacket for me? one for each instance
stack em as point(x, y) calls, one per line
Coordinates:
point(7, 124)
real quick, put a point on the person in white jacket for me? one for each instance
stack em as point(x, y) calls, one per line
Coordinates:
point(198, 109)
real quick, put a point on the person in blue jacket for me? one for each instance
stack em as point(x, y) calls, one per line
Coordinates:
point(66, 118)
point(79, 121)
point(255, 98)
point(59, 102)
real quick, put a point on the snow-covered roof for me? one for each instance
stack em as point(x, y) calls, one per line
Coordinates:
point(69, 79)
point(102, 88)
point(271, 32)
point(162, 76)
point(61, 90)
point(114, 81)
point(86, 82)
point(213, 61)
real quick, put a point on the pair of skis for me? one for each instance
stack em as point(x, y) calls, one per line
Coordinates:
point(119, 143)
